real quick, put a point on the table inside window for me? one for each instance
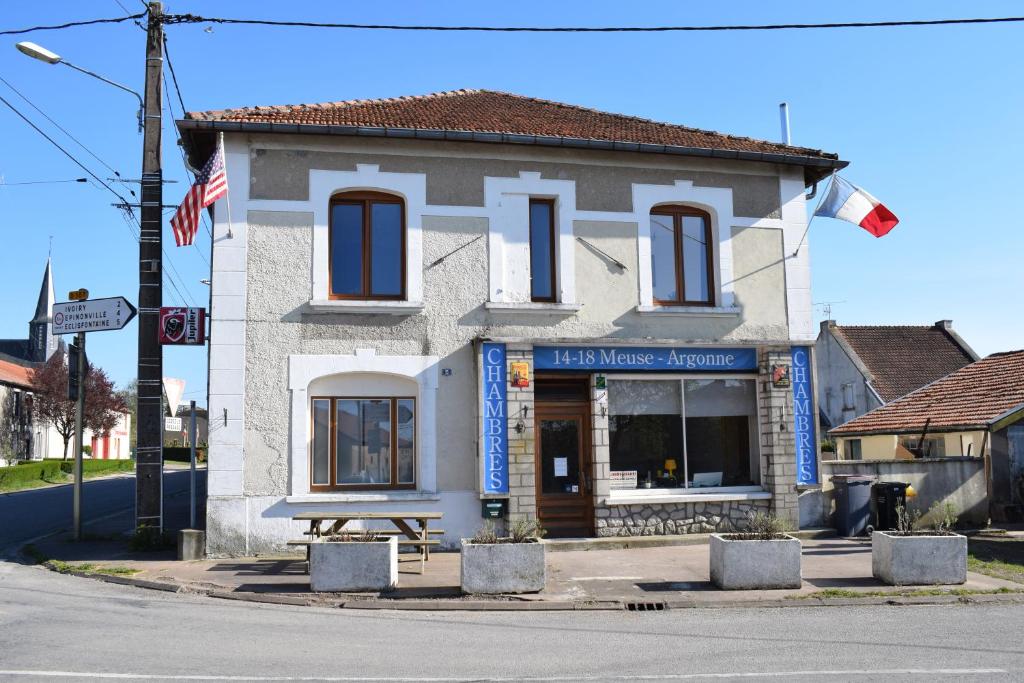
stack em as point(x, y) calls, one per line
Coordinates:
point(329, 523)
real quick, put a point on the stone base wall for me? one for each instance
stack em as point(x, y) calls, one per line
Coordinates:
point(684, 518)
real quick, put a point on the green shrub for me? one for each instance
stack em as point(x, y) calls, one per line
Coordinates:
point(183, 454)
point(22, 474)
point(762, 527)
point(105, 466)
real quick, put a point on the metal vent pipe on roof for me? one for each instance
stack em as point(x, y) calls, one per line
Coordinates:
point(784, 121)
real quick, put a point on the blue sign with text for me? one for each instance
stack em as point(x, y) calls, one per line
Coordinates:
point(495, 422)
point(804, 417)
point(642, 358)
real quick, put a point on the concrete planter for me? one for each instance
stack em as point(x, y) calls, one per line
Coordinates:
point(918, 560)
point(353, 565)
point(749, 565)
point(503, 567)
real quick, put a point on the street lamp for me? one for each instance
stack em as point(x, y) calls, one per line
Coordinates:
point(43, 55)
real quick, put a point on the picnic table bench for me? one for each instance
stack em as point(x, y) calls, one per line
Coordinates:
point(330, 523)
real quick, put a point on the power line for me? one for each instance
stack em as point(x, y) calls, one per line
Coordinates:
point(170, 111)
point(65, 131)
point(72, 24)
point(196, 19)
point(68, 154)
point(184, 161)
point(4, 183)
point(99, 180)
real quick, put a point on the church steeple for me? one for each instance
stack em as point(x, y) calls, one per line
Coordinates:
point(42, 343)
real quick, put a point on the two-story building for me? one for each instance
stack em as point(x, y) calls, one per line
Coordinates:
point(429, 302)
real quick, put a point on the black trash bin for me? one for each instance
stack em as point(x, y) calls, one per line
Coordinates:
point(886, 496)
point(853, 503)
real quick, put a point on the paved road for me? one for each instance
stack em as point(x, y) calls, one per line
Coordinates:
point(54, 625)
point(28, 514)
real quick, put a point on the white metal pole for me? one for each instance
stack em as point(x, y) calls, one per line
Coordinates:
point(192, 464)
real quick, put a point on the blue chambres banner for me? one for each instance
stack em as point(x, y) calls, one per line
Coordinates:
point(495, 419)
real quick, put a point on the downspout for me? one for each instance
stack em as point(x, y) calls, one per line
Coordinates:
point(813, 193)
point(987, 460)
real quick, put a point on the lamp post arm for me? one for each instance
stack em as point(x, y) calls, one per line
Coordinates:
point(142, 104)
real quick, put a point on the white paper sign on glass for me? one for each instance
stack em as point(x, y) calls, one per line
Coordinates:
point(561, 467)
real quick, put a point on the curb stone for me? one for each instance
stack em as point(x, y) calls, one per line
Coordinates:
point(460, 605)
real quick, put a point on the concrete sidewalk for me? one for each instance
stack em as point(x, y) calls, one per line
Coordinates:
point(634, 578)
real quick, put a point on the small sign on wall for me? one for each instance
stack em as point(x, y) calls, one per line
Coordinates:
point(520, 373)
point(623, 479)
point(780, 376)
point(493, 509)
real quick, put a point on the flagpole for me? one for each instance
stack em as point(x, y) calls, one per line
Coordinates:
point(227, 195)
point(821, 198)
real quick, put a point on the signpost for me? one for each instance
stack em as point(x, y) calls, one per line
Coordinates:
point(172, 424)
point(79, 316)
point(92, 315)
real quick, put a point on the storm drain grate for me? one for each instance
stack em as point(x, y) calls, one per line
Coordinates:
point(645, 606)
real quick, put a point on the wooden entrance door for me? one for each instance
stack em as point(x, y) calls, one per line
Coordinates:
point(565, 503)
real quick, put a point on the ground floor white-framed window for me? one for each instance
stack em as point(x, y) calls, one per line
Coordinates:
point(362, 424)
point(363, 443)
point(683, 433)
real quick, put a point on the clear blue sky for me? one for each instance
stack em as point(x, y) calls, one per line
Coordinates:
point(929, 118)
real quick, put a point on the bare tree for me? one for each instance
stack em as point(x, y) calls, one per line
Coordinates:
point(103, 407)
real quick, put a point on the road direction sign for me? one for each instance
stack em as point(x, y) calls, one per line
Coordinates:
point(92, 315)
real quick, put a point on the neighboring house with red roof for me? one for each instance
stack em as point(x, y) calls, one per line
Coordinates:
point(976, 411)
point(422, 302)
point(862, 367)
point(15, 411)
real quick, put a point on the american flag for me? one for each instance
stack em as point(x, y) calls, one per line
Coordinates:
point(211, 184)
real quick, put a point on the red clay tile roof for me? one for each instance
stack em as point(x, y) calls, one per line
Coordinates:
point(488, 111)
point(902, 358)
point(972, 397)
point(19, 375)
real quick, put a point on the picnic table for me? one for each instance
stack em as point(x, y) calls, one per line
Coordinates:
point(330, 523)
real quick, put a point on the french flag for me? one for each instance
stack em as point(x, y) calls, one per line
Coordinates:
point(848, 202)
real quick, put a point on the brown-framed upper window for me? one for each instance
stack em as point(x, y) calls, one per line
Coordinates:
point(366, 243)
point(363, 443)
point(682, 271)
point(542, 250)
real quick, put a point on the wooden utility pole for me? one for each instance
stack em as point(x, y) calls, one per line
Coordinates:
point(149, 450)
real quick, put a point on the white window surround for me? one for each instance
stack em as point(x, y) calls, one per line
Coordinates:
point(411, 187)
point(533, 307)
point(717, 201)
point(381, 307)
point(507, 203)
point(304, 369)
point(692, 311)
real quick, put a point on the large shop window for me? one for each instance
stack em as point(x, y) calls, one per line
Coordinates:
point(363, 443)
point(681, 267)
point(683, 433)
point(367, 246)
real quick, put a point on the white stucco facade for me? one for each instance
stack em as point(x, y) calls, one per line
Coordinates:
point(277, 338)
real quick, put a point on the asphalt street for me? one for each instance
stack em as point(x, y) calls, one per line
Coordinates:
point(25, 515)
point(57, 626)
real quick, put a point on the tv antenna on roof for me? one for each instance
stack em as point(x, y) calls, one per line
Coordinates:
point(826, 307)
